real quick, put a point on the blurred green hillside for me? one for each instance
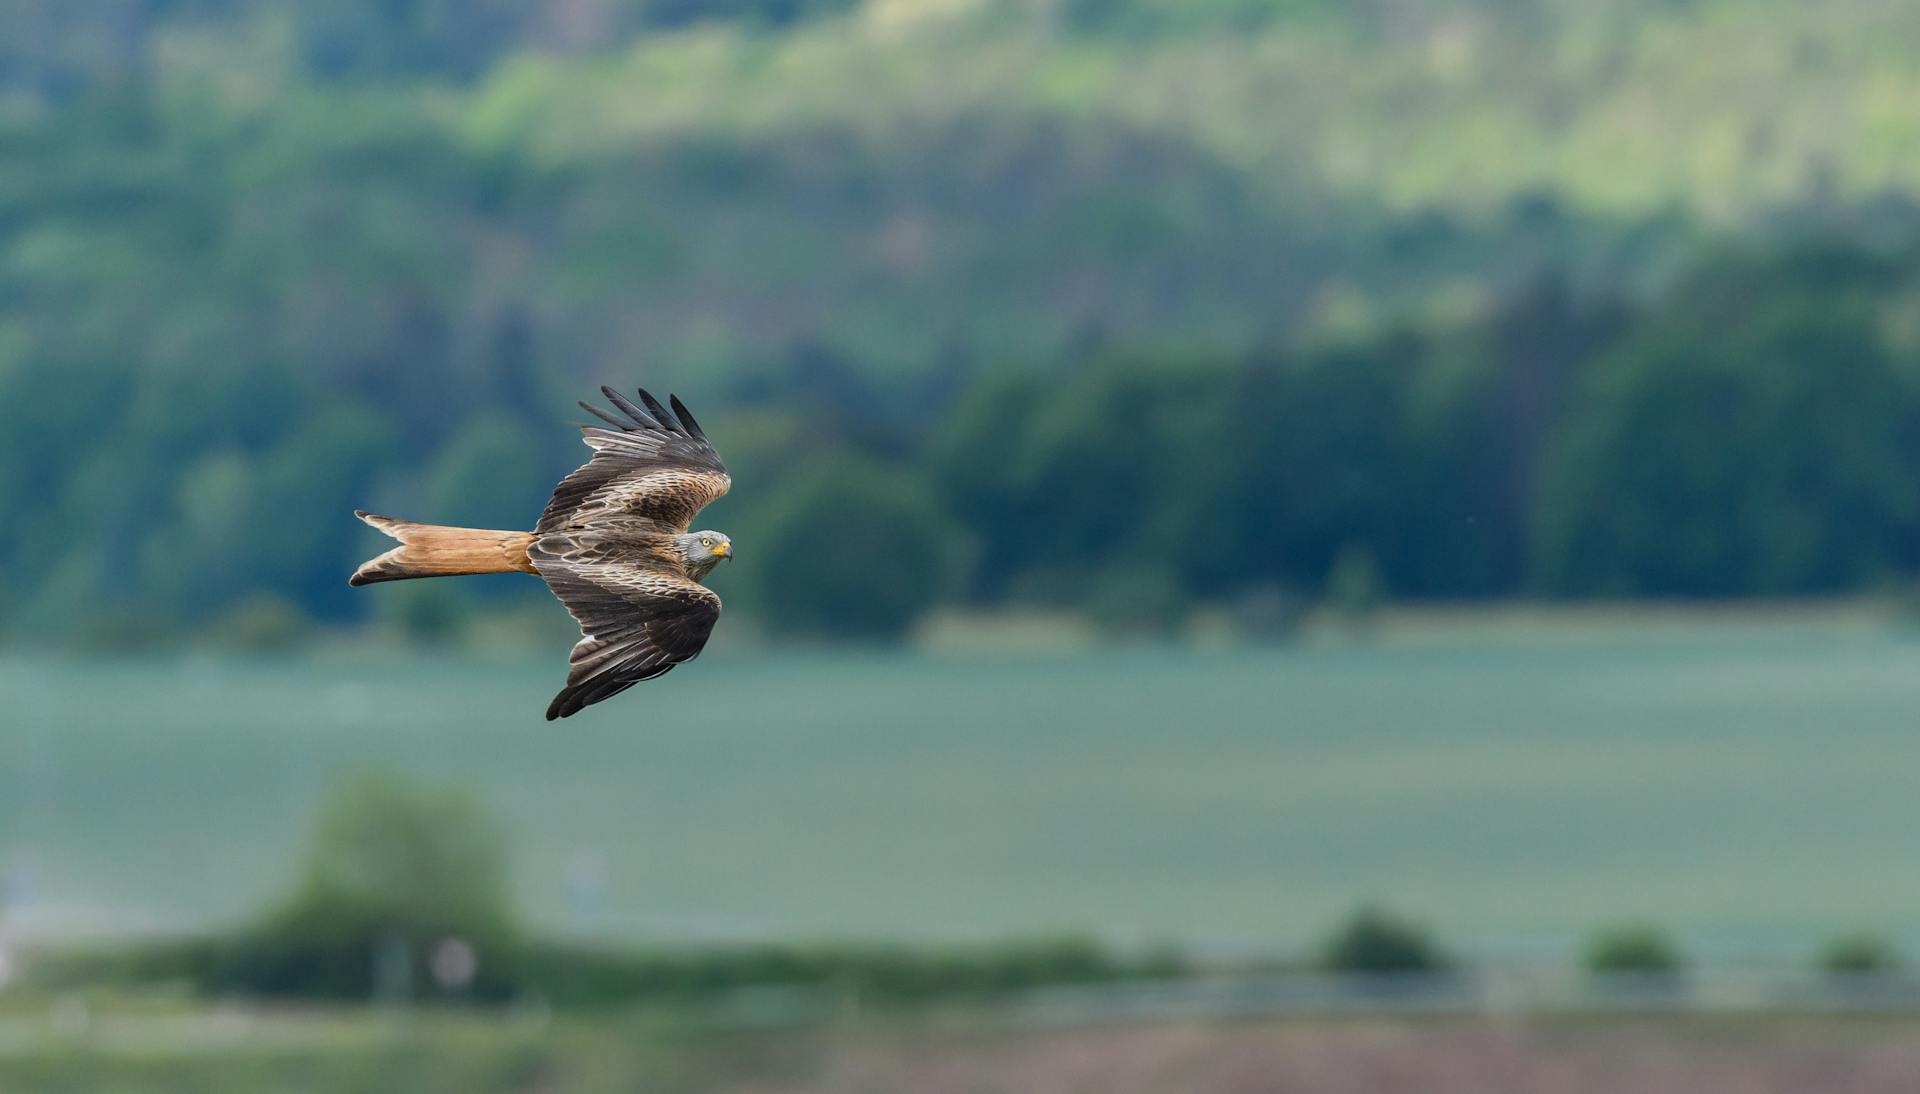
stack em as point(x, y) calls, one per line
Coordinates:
point(1127, 305)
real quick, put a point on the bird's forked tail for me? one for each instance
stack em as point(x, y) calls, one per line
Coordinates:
point(435, 550)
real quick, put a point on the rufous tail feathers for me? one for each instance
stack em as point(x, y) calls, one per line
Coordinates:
point(434, 550)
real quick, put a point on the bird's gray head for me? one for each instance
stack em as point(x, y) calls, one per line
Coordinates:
point(702, 551)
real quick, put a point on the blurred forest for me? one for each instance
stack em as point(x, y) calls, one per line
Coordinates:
point(1119, 306)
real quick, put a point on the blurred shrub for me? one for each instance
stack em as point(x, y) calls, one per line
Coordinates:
point(291, 963)
point(1374, 941)
point(393, 873)
point(1632, 948)
point(1859, 954)
point(878, 973)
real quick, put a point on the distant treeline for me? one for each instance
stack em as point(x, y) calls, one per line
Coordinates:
point(1755, 431)
point(1030, 345)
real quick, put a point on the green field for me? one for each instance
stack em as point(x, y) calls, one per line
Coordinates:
point(1747, 781)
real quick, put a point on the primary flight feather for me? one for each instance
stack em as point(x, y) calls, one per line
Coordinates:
point(613, 545)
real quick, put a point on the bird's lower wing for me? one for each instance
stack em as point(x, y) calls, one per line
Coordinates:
point(637, 619)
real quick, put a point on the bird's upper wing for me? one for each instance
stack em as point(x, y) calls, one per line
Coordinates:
point(638, 617)
point(652, 464)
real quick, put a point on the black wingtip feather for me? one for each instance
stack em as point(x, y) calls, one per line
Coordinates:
point(605, 417)
point(686, 417)
point(667, 421)
point(654, 416)
point(640, 417)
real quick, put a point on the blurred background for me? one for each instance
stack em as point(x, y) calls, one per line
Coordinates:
point(1387, 545)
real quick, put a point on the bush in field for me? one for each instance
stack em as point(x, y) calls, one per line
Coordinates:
point(1858, 955)
point(405, 892)
point(1375, 941)
point(1632, 949)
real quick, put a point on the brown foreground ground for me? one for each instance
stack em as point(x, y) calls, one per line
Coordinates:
point(1611, 1056)
point(359, 1051)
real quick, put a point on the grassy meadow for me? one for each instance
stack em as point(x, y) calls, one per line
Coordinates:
point(1745, 780)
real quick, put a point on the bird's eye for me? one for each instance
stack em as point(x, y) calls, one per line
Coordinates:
point(706, 541)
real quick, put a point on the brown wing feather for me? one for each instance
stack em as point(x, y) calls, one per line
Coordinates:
point(639, 614)
point(650, 464)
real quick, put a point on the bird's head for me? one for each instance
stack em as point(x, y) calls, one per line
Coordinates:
point(702, 551)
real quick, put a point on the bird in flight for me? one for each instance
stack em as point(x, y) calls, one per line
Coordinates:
point(613, 545)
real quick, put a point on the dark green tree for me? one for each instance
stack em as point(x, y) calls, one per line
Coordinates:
point(1129, 467)
point(1321, 460)
point(1769, 454)
point(1376, 941)
point(851, 549)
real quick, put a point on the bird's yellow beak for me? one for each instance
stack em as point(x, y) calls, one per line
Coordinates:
point(724, 550)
